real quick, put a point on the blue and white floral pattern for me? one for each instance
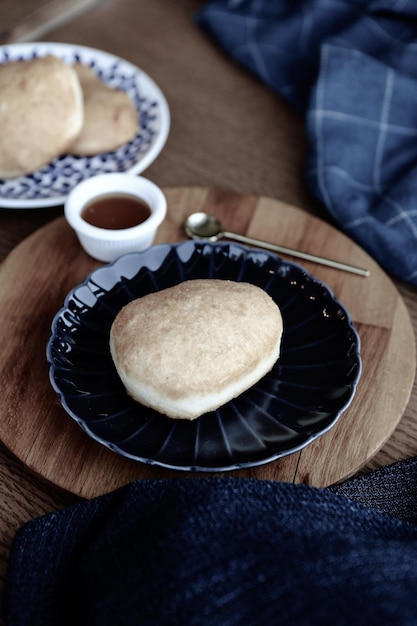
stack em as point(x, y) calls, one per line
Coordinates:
point(50, 185)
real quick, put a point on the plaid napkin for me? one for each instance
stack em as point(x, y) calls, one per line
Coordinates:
point(350, 68)
point(223, 551)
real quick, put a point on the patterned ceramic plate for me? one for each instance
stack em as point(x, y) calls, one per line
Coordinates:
point(312, 383)
point(50, 185)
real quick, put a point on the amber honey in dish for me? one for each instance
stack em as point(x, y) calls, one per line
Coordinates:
point(116, 211)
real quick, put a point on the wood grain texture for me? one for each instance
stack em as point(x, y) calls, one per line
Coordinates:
point(38, 274)
point(30, 21)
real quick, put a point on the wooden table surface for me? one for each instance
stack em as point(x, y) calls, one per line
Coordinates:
point(228, 131)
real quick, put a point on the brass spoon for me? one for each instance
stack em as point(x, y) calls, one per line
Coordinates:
point(202, 226)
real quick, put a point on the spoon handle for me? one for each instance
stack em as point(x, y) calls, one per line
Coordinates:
point(296, 253)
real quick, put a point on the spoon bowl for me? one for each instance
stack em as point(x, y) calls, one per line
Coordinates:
point(203, 226)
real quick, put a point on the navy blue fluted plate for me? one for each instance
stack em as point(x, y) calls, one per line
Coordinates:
point(303, 396)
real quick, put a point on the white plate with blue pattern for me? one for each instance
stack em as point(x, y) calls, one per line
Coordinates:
point(50, 185)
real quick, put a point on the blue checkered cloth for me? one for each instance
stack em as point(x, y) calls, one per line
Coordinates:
point(349, 67)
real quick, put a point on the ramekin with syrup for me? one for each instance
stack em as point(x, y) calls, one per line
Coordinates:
point(113, 214)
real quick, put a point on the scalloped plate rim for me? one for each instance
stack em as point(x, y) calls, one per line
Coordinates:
point(199, 467)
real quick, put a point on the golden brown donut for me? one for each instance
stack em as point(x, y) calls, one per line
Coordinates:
point(189, 349)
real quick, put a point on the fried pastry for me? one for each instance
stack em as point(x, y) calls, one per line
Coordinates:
point(110, 116)
point(191, 348)
point(41, 112)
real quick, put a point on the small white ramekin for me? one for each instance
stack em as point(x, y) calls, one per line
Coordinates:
point(105, 244)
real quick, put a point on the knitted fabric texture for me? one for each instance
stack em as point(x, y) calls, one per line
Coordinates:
point(215, 551)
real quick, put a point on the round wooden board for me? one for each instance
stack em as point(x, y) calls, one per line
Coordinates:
point(37, 275)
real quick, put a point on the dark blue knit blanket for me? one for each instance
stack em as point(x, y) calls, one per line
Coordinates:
point(223, 551)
